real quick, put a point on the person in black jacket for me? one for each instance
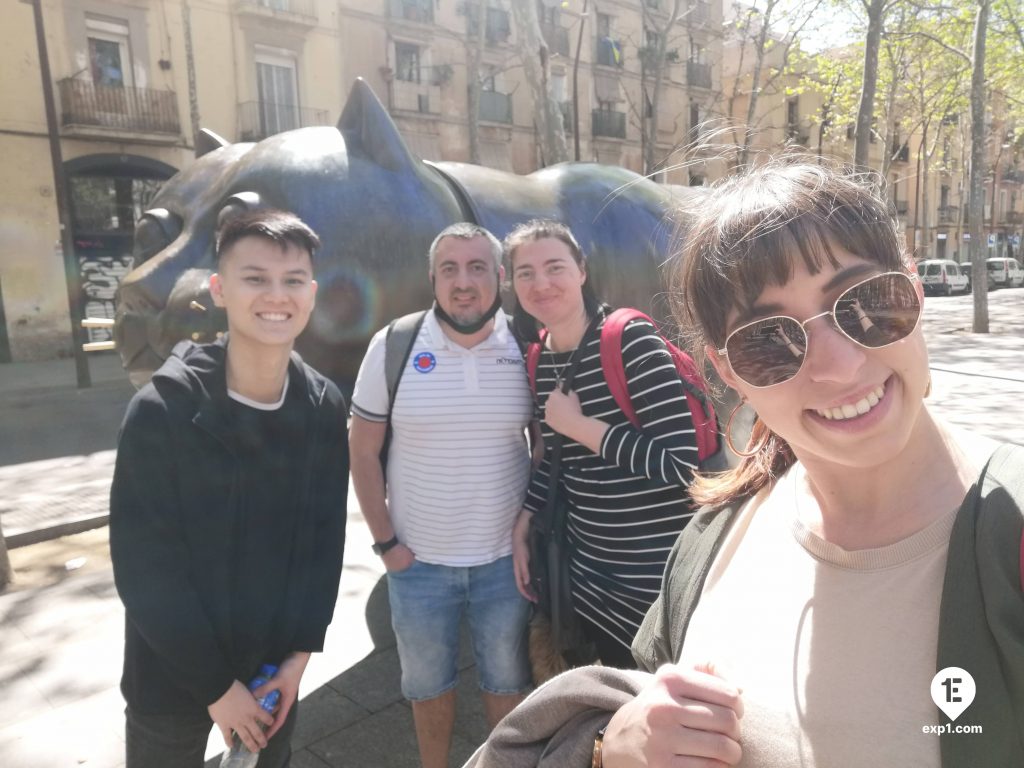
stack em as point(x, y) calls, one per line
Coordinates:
point(227, 511)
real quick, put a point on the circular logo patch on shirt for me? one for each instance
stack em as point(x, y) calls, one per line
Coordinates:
point(424, 362)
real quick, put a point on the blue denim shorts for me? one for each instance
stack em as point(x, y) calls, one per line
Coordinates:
point(427, 603)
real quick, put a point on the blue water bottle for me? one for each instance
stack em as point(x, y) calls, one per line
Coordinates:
point(239, 755)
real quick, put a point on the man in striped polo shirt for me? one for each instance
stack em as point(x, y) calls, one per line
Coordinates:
point(457, 471)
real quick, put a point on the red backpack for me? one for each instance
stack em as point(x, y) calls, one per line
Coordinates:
point(705, 424)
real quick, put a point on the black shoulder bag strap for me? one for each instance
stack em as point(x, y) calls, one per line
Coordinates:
point(554, 513)
point(398, 344)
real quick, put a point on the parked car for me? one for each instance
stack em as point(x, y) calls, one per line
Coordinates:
point(965, 269)
point(1006, 272)
point(942, 276)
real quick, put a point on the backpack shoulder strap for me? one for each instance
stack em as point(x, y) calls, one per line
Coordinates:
point(611, 357)
point(398, 343)
point(533, 351)
point(1006, 471)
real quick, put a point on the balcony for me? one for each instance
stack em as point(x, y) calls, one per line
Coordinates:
point(901, 207)
point(85, 106)
point(609, 53)
point(259, 119)
point(1013, 217)
point(416, 97)
point(698, 75)
point(497, 27)
point(567, 122)
point(496, 107)
point(949, 215)
point(297, 12)
point(419, 11)
point(557, 38)
point(607, 123)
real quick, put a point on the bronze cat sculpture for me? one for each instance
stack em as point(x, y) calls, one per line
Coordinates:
point(376, 208)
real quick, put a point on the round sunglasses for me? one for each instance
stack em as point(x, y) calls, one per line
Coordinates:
point(873, 313)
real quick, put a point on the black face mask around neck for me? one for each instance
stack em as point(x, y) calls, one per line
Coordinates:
point(468, 329)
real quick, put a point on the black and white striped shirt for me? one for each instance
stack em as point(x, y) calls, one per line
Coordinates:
point(628, 504)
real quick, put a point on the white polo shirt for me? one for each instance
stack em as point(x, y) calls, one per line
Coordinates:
point(458, 464)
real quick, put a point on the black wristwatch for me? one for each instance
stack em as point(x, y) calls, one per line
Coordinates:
point(380, 547)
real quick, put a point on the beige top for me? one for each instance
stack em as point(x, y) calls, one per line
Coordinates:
point(835, 650)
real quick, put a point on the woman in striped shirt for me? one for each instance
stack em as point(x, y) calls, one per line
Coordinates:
point(625, 487)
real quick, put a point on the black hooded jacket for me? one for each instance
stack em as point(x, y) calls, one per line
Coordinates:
point(175, 512)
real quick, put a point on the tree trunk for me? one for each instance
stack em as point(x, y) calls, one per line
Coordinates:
point(979, 269)
point(533, 49)
point(755, 84)
point(866, 110)
point(650, 124)
point(474, 57)
point(924, 170)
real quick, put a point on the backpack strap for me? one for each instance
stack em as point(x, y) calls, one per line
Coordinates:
point(1006, 470)
point(398, 343)
point(612, 363)
point(533, 351)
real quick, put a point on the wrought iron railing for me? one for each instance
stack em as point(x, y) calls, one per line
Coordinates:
point(605, 122)
point(303, 8)
point(128, 109)
point(698, 74)
point(949, 214)
point(421, 11)
point(259, 119)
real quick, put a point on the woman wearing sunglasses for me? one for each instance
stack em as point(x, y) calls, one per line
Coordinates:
point(861, 564)
point(624, 485)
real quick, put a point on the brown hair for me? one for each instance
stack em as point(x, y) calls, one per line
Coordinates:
point(525, 325)
point(747, 234)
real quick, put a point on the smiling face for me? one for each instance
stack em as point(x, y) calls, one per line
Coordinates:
point(267, 291)
point(547, 280)
point(848, 404)
point(465, 278)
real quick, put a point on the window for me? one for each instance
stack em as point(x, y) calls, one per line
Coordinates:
point(277, 90)
point(604, 25)
point(548, 14)
point(651, 38)
point(793, 112)
point(698, 53)
point(407, 62)
point(557, 84)
point(109, 52)
point(695, 118)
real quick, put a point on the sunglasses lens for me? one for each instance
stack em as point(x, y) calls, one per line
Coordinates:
point(767, 352)
point(879, 311)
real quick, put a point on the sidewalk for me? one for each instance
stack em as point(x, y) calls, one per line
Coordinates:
point(62, 642)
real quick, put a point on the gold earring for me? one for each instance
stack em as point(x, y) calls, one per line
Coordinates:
point(728, 436)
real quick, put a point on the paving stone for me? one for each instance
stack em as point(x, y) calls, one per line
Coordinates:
point(388, 738)
point(322, 713)
point(373, 683)
point(303, 758)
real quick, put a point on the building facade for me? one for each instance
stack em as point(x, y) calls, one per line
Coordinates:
point(134, 81)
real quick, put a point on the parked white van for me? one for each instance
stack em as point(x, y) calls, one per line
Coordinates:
point(942, 276)
point(1005, 272)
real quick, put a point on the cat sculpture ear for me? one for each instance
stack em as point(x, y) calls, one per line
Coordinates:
point(207, 141)
point(369, 130)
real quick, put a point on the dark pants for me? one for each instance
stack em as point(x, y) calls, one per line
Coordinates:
point(610, 651)
point(179, 741)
